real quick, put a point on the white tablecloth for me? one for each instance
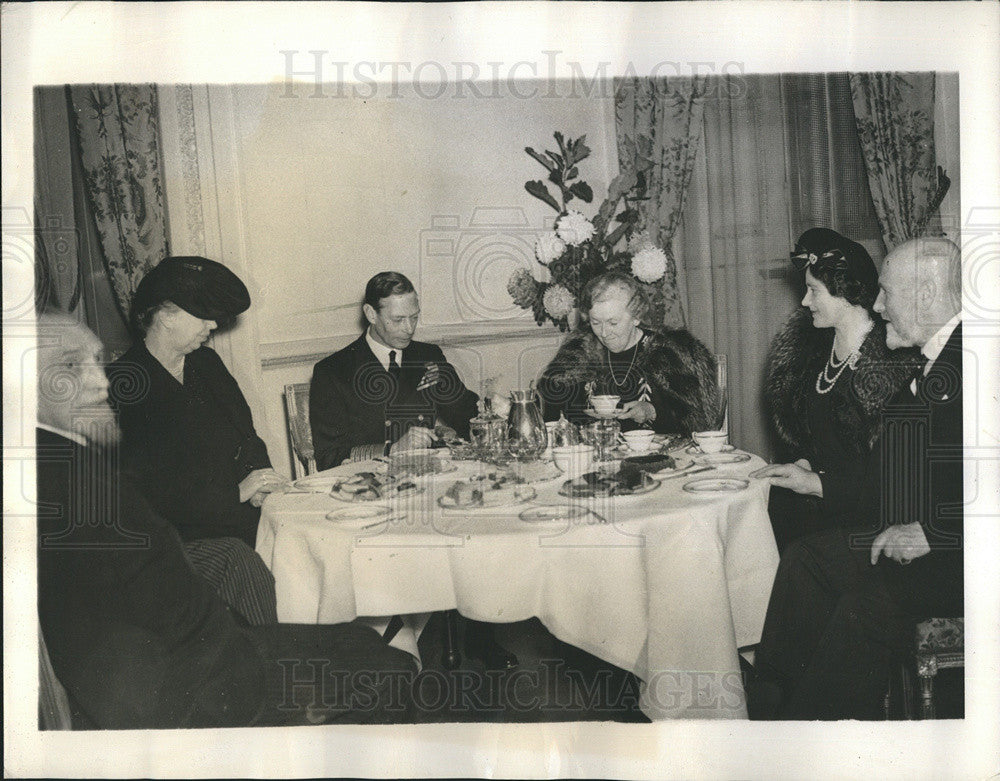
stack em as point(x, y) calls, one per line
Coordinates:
point(669, 588)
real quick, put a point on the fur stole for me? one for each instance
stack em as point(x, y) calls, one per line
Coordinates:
point(672, 361)
point(797, 356)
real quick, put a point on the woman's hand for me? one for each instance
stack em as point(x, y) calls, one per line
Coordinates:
point(797, 477)
point(255, 487)
point(639, 411)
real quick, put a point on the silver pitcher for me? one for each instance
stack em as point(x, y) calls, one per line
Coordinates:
point(526, 434)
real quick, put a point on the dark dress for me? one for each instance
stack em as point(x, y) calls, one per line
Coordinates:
point(670, 369)
point(832, 454)
point(834, 431)
point(188, 446)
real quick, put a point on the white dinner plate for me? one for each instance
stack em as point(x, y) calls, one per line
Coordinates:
point(624, 451)
point(524, 493)
point(578, 489)
point(680, 464)
point(442, 460)
point(390, 495)
point(321, 482)
point(715, 459)
point(715, 485)
point(439, 452)
point(559, 513)
point(362, 511)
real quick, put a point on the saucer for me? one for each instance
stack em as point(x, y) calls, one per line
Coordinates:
point(713, 485)
point(694, 450)
point(602, 415)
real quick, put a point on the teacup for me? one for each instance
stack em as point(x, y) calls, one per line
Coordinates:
point(604, 405)
point(574, 460)
point(710, 441)
point(639, 440)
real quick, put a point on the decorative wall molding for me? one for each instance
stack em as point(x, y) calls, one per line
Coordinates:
point(190, 174)
point(290, 353)
point(206, 201)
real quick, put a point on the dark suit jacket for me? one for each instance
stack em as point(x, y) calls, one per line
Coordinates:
point(354, 401)
point(917, 476)
point(136, 637)
point(188, 446)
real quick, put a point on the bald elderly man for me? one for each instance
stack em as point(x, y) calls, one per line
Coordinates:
point(844, 603)
point(135, 635)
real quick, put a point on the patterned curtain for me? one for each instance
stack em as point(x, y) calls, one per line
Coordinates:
point(658, 124)
point(895, 119)
point(118, 131)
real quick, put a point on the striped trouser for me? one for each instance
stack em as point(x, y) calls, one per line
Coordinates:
point(239, 576)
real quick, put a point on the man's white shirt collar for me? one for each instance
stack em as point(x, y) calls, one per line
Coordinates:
point(78, 438)
point(382, 351)
point(932, 347)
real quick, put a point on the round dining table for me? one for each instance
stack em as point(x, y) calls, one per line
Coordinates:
point(667, 584)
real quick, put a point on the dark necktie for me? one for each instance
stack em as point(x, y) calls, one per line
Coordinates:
point(394, 391)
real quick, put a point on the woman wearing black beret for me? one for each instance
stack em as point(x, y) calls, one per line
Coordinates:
point(187, 432)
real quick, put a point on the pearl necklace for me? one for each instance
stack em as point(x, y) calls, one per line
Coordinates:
point(635, 352)
point(838, 368)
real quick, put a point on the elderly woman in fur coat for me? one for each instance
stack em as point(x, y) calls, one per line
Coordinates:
point(829, 374)
point(666, 379)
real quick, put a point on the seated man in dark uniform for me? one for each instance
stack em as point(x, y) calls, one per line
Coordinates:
point(844, 603)
point(138, 638)
point(385, 391)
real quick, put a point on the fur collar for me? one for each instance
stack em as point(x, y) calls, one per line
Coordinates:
point(798, 354)
point(672, 361)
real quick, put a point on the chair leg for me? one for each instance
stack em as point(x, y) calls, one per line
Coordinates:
point(927, 697)
point(452, 656)
point(906, 681)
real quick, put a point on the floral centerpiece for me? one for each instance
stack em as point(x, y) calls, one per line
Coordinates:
point(579, 248)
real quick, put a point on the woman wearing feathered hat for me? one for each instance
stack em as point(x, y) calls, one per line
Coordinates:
point(829, 374)
point(187, 431)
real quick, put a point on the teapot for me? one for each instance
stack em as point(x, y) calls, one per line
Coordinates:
point(526, 434)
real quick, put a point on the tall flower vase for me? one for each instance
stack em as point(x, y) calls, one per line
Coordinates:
point(573, 318)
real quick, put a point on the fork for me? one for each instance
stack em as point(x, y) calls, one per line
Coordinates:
point(391, 519)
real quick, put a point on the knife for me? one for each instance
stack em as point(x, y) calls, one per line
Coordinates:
point(687, 472)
